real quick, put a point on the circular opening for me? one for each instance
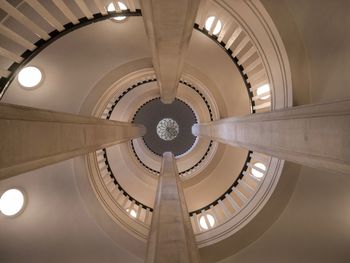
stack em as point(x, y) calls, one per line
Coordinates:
point(203, 223)
point(209, 24)
point(167, 129)
point(11, 202)
point(265, 91)
point(257, 173)
point(131, 212)
point(29, 77)
point(111, 8)
point(160, 137)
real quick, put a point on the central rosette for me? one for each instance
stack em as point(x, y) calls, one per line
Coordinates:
point(167, 129)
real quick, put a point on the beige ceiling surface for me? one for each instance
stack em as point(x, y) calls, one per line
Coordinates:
point(55, 226)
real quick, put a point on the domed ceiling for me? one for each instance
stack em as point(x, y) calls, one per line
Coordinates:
point(168, 126)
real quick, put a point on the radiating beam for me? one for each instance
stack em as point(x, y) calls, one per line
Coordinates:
point(313, 135)
point(169, 26)
point(31, 138)
point(171, 237)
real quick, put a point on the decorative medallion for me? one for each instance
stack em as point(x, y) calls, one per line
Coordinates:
point(167, 129)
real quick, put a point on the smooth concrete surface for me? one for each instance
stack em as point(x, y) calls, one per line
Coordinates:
point(119, 234)
point(55, 226)
point(327, 45)
point(169, 26)
point(171, 237)
point(315, 135)
point(317, 47)
point(295, 48)
point(31, 138)
point(261, 223)
point(314, 227)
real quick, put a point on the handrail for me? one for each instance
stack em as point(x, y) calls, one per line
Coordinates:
point(41, 44)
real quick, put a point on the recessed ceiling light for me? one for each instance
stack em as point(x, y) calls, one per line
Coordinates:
point(11, 202)
point(111, 8)
point(264, 89)
point(29, 77)
point(209, 24)
point(203, 222)
point(132, 212)
point(257, 173)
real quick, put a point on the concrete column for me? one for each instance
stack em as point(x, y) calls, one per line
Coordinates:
point(313, 135)
point(31, 138)
point(169, 25)
point(171, 237)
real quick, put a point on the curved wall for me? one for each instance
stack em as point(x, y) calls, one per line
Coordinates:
point(314, 225)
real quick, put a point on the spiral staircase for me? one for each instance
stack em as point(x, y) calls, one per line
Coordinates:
point(30, 29)
point(97, 66)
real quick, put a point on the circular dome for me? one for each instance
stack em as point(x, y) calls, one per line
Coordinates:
point(168, 126)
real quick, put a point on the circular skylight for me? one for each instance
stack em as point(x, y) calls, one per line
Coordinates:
point(209, 24)
point(29, 77)
point(167, 129)
point(258, 173)
point(204, 223)
point(11, 202)
point(264, 89)
point(111, 8)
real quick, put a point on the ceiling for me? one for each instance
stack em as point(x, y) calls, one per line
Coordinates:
point(313, 227)
point(72, 67)
point(155, 111)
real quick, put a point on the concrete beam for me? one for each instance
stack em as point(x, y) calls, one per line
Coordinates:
point(312, 135)
point(171, 237)
point(31, 138)
point(169, 26)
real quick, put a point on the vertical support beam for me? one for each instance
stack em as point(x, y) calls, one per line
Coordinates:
point(171, 237)
point(169, 26)
point(31, 138)
point(315, 135)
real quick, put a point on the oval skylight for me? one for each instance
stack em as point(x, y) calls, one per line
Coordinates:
point(203, 223)
point(111, 8)
point(11, 202)
point(264, 89)
point(258, 173)
point(209, 24)
point(29, 77)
